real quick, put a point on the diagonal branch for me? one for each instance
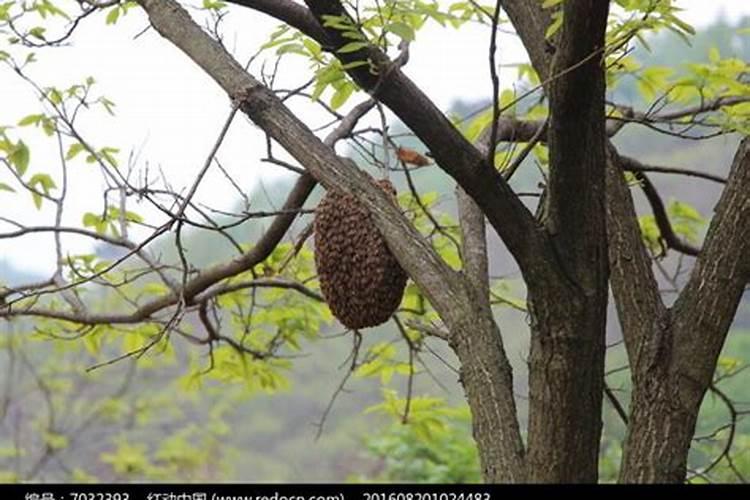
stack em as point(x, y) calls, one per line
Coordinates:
point(451, 151)
point(634, 286)
point(290, 13)
point(446, 289)
point(705, 308)
point(267, 111)
point(662, 219)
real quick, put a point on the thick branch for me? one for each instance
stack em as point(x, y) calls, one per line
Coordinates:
point(462, 161)
point(707, 304)
point(673, 358)
point(290, 13)
point(474, 244)
point(633, 284)
point(577, 153)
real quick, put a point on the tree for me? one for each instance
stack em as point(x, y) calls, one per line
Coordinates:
point(584, 238)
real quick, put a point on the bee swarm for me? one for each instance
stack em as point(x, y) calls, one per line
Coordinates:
point(360, 279)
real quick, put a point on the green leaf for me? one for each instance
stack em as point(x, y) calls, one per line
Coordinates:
point(213, 4)
point(95, 221)
point(5, 187)
point(37, 32)
point(55, 441)
point(713, 55)
point(20, 157)
point(555, 25)
point(352, 47)
point(42, 182)
point(55, 96)
point(48, 126)
point(113, 15)
point(37, 200)
point(341, 95)
point(292, 48)
point(108, 154)
point(73, 150)
point(402, 30)
point(30, 120)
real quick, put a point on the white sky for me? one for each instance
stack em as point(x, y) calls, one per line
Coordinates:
point(169, 112)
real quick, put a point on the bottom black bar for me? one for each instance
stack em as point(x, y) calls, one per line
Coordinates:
point(341, 491)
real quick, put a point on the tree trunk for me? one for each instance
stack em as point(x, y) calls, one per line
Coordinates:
point(566, 363)
point(673, 353)
point(487, 378)
point(566, 369)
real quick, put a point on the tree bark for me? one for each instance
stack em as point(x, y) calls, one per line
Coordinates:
point(674, 353)
point(566, 362)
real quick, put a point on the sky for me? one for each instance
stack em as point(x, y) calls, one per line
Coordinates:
point(169, 113)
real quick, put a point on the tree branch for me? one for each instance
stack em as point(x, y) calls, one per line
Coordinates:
point(446, 290)
point(662, 219)
point(451, 151)
point(291, 13)
point(634, 286)
point(705, 308)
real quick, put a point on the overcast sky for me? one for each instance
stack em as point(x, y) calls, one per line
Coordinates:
point(169, 112)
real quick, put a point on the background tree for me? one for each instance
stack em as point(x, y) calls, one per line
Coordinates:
point(584, 237)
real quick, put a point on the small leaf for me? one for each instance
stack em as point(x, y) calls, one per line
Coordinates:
point(55, 96)
point(713, 55)
point(43, 180)
point(20, 157)
point(402, 30)
point(112, 16)
point(341, 95)
point(55, 441)
point(108, 154)
point(91, 220)
point(352, 47)
point(554, 27)
point(30, 120)
point(37, 32)
point(73, 150)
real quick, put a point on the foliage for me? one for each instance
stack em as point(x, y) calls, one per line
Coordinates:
point(62, 424)
point(445, 455)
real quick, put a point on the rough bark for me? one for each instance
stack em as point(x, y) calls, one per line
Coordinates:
point(487, 378)
point(531, 22)
point(566, 362)
point(485, 370)
point(674, 353)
